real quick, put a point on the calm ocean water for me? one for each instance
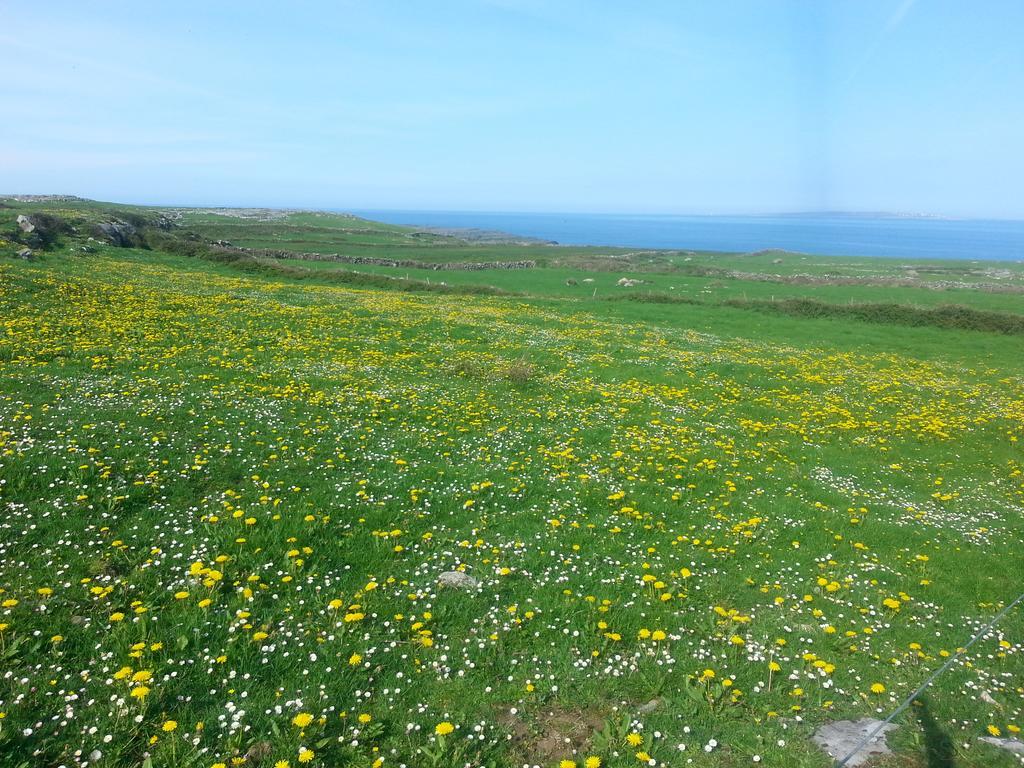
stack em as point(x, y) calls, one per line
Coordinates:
point(824, 234)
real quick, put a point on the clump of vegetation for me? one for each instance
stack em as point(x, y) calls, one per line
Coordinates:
point(953, 316)
point(652, 297)
point(519, 372)
point(472, 367)
point(46, 233)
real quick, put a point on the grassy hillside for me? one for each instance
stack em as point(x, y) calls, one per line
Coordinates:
point(697, 531)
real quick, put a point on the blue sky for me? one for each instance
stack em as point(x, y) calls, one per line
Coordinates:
point(520, 105)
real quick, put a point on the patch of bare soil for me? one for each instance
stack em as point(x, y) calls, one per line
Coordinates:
point(552, 733)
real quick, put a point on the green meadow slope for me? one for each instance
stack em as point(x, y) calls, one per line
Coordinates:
point(696, 518)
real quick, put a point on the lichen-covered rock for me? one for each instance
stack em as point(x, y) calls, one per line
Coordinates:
point(842, 736)
point(457, 580)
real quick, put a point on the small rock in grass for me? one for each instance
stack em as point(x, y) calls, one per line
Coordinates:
point(259, 752)
point(457, 580)
point(651, 706)
point(25, 253)
point(1016, 746)
point(840, 737)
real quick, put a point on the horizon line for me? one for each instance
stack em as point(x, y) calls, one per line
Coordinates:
point(897, 214)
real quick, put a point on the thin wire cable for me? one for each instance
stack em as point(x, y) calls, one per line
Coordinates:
point(906, 703)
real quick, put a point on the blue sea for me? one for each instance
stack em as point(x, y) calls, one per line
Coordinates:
point(825, 234)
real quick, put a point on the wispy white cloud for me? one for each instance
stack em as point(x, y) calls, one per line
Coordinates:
point(897, 17)
point(891, 25)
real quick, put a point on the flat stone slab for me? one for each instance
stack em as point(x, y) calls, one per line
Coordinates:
point(457, 580)
point(1016, 746)
point(840, 737)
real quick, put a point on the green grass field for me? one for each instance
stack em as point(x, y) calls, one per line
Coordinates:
point(698, 531)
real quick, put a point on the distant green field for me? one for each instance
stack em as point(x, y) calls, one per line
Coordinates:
point(696, 531)
point(553, 282)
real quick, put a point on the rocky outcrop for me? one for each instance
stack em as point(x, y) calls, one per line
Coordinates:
point(41, 231)
point(119, 233)
point(167, 220)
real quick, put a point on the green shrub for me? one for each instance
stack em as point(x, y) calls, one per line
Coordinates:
point(954, 316)
point(653, 298)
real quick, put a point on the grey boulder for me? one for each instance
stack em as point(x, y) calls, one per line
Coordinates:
point(120, 233)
